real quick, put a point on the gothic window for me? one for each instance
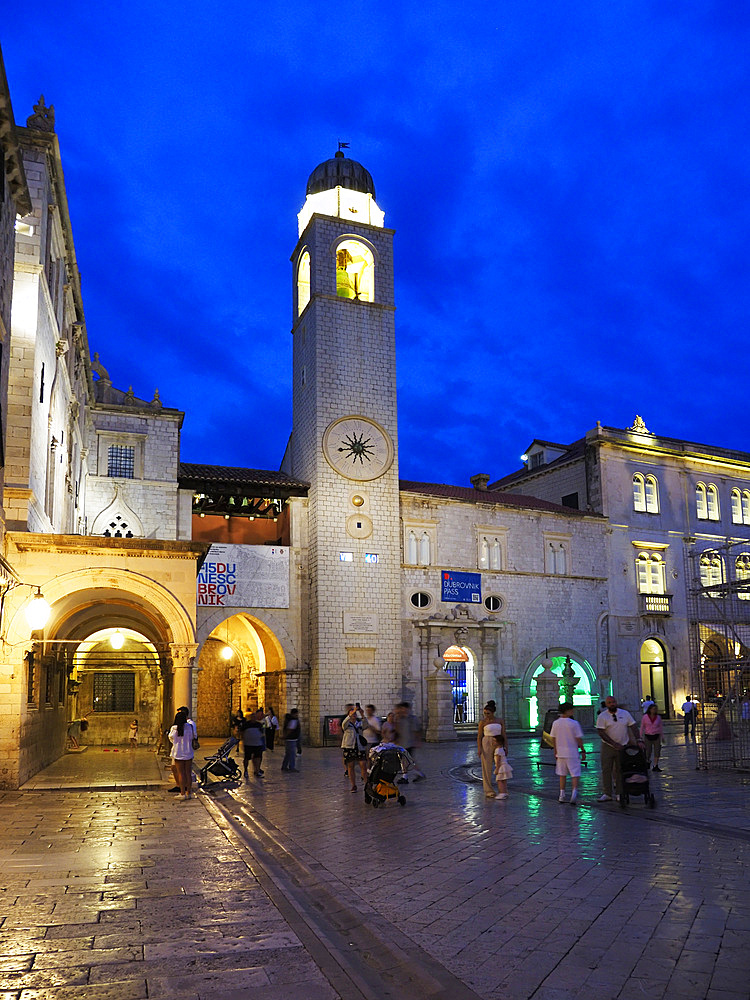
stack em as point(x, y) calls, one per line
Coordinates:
point(742, 574)
point(650, 573)
point(412, 549)
point(712, 572)
point(118, 528)
point(556, 555)
point(740, 506)
point(425, 554)
point(355, 271)
point(303, 282)
point(121, 461)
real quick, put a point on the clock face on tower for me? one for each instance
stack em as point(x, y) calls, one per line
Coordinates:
point(358, 448)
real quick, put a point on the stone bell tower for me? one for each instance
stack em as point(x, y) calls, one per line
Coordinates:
point(344, 440)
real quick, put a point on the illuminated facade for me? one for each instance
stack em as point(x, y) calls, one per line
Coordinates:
point(670, 505)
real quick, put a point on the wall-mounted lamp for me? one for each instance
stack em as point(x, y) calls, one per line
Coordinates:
point(37, 610)
point(117, 639)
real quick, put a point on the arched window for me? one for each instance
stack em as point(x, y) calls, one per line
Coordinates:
point(639, 492)
point(496, 554)
point(712, 502)
point(355, 271)
point(740, 506)
point(484, 553)
point(652, 495)
point(490, 553)
point(412, 549)
point(736, 507)
point(701, 506)
point(424, 550)
point(303, 282)
point(650, 571)
point(712, 572)
point(742, 574)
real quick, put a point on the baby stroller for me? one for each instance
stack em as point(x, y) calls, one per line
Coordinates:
point(385, 762)
point(220, 764)
point(634, 776)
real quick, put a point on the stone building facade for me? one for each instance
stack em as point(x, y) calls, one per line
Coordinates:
point(678, 518)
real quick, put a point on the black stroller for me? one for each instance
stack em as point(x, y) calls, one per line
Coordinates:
point(385, 762)
point(220, 764)
point(634, 776)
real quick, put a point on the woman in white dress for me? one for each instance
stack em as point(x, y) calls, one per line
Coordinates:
point(489, 728)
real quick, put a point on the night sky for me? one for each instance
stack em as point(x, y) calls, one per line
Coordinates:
point(568, 183)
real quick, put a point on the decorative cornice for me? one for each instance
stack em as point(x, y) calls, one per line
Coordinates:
point(26, 541)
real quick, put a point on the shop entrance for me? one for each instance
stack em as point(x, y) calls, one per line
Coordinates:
point(654, 675)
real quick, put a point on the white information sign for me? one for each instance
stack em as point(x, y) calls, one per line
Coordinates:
point(245, 576)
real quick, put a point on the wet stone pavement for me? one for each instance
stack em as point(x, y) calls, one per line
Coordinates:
point(290, 884)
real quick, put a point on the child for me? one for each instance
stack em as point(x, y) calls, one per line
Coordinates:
point(503, 770)
point(567, 741)
point(133, 735)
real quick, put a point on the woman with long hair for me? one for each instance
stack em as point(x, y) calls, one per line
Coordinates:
point(489, 728)
point(182, 734)
point(652, 731)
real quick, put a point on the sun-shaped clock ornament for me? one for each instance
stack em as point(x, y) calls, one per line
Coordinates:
point(358, 448)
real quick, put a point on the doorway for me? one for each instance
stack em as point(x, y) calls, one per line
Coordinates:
point(654, 675)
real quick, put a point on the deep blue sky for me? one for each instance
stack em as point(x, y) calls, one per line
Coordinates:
point(568, 183)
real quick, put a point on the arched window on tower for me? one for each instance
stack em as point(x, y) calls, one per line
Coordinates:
point(355, 271)
point(303, 282)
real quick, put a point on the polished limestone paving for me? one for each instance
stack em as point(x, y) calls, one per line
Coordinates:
point(291, 885)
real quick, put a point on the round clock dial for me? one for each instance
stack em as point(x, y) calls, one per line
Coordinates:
point(358, 448)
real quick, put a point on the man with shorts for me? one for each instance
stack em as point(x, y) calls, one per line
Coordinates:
point(254, 741)
point(567, 742)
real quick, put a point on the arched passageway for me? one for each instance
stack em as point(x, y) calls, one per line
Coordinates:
point(241, 666)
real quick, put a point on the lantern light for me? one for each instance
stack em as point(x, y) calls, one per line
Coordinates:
point(38, 611)
point(117, 639)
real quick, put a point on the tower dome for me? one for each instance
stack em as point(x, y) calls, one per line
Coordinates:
point(340, 172)
point(341, 188)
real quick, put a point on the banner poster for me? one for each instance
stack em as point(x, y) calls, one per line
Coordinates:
point(245, 576)
point(463, 588)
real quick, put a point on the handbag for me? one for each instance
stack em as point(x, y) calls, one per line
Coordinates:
point(361, 742)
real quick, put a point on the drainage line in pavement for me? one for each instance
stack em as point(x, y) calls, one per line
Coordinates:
point(464, 774)
point(361, 953)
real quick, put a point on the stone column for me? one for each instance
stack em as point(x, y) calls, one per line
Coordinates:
point(182, 671)
point(439, 705)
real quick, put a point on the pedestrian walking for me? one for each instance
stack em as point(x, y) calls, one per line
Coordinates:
point(503, 770)
point(254, 743)
point(372, 727)
point(133, 734)
point(354, 746)
point(182, 734)
point(292, 733)
point(489, 727)
point(616, 729)
point(567, 742)
point(271, 724)
point(689, 713)
point(388, 729)
point(652, 730)
point(407, 735)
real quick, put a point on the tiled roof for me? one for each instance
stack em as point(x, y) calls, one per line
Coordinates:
point(232, 475)
point(470, 495)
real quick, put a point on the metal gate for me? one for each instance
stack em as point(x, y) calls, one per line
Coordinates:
point(465, 685)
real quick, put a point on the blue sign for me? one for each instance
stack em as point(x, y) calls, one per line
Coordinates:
point(462, 588)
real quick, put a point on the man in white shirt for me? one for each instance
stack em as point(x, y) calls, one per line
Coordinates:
point(689, 711)
point(616, 728)
point(567, 741)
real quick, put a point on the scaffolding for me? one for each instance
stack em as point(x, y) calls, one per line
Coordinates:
point(718, 608)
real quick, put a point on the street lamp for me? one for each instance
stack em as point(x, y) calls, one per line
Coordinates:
point(38, 610)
